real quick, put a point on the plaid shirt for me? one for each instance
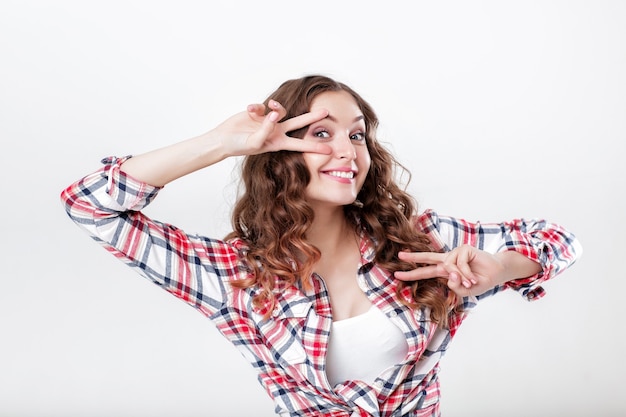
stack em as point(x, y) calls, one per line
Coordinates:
point(288, 349)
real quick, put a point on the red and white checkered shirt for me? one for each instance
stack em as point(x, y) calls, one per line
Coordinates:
point(288, 350)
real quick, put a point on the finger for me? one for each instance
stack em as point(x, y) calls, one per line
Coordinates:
point(422, 257)
point(463, 263)
point(265, 130)
point(303, 120)
point(453, 271)
point(455, 284)
point(256, 111)
point(299, 145)
point(276, 106)
point(422, 272)
point(453, 262)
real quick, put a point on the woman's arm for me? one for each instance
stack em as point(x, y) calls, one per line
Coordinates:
point(107, 204)
point(246, 133)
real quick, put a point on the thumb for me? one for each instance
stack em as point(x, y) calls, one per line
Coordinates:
point(259, 137)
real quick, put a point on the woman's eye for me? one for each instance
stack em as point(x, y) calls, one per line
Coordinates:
point(321, 134)
point(358, 136)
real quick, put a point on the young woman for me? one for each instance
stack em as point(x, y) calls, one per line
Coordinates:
point(332, 286)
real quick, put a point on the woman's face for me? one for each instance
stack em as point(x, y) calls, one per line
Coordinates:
point(337, 178)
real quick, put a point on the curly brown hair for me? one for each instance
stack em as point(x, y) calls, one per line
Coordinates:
point(272, 215)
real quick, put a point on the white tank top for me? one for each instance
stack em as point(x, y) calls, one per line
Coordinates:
point(361, 347)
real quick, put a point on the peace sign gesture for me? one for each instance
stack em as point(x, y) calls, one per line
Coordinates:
point(470, 271)
point(254, 132)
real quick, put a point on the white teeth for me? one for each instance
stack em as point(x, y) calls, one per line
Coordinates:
point(341, 174)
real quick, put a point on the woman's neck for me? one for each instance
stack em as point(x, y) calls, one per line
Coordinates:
point(330, 230)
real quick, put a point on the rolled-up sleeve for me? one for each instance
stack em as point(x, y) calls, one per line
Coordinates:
point(548, 244)
point(107, 204)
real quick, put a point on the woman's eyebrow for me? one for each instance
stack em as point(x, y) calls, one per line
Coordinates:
point(334, 119)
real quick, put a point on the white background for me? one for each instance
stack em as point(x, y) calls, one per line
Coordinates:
point(501, 109)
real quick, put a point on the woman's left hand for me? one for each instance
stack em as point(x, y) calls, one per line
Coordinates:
point(470, 271)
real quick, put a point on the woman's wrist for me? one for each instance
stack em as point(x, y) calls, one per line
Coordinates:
point(516, 266)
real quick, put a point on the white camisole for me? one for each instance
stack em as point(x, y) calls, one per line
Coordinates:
point(361, 347)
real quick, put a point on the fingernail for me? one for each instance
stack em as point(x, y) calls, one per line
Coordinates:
point(273, 116)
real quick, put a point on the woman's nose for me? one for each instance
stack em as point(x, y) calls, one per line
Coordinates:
point(344, 148)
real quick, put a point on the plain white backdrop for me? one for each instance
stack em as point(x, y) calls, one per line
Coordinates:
point(500, 109)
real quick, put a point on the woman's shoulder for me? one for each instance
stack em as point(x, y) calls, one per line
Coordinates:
point(427, 220)
point(238, 244)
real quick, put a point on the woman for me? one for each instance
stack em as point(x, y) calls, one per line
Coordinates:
point(333, 287)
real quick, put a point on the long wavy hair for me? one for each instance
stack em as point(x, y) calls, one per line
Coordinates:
point(272, 215)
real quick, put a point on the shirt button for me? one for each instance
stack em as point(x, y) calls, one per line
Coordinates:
point(378, 383)
point(276, 312)
point(393, 313)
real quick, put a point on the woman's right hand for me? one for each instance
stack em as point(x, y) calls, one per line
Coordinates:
point(247, 133)
point(253, 132)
